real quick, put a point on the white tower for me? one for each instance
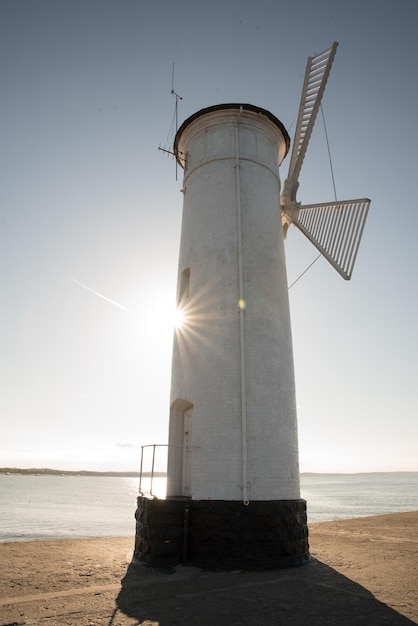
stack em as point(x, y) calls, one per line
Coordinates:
point(233, 478)
point(233, 414)
point(233, 450)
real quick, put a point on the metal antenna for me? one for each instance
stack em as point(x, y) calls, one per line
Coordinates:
point(176, 108)
point(176, 95)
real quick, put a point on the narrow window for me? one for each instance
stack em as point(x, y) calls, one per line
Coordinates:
point(184, 286)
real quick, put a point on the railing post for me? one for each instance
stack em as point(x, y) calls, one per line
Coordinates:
point(152, 469)
point(140, 470)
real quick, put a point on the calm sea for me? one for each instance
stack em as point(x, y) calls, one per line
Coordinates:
point(70, 507)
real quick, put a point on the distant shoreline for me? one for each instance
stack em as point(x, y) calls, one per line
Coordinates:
point(46, 471)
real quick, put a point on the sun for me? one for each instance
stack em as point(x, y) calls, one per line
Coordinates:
point(179, 318)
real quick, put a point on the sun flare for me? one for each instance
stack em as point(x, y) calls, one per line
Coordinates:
point(179, 318)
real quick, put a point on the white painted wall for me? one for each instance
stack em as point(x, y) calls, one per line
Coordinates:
point(223, 205)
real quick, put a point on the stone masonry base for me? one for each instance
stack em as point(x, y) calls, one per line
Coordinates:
point(218, 534)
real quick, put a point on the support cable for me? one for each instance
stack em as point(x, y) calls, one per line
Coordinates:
point(304, 271)
point(329, 155)
point(335, 195)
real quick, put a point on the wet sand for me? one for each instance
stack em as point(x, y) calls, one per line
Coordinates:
point(363, 571)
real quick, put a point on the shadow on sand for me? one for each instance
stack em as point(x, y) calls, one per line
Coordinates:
point(314, 594)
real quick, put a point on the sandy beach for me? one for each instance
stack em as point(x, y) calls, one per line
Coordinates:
point(363, 571)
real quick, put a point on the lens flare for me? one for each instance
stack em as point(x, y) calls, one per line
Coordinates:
point(179, 318)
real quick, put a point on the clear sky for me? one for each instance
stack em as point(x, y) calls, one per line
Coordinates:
point(90, 215)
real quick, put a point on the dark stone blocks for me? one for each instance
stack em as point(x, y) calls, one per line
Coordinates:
point(218, 534)
point(161, 528)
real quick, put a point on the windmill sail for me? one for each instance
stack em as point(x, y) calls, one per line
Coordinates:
point(335, 229)
point(316, 76)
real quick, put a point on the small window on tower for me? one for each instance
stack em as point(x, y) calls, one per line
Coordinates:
point(184, 286)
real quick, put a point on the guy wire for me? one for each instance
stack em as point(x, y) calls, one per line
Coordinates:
point(335, 195)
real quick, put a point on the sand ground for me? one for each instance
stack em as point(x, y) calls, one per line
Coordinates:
point(363, 571)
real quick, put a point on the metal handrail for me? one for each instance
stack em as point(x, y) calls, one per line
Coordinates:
point(153, 446)
point(151, 473)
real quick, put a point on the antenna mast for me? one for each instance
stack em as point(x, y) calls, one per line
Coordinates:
point(176, 108)
point(177, 97)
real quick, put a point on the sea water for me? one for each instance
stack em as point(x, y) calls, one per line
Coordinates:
point(73, 507)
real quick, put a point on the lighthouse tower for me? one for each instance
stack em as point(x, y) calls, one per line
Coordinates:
point(233, 475)
point(233, 478)
point(233, 419)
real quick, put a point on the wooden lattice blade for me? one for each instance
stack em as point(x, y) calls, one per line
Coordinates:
point(316, 76)
point(335, 229)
